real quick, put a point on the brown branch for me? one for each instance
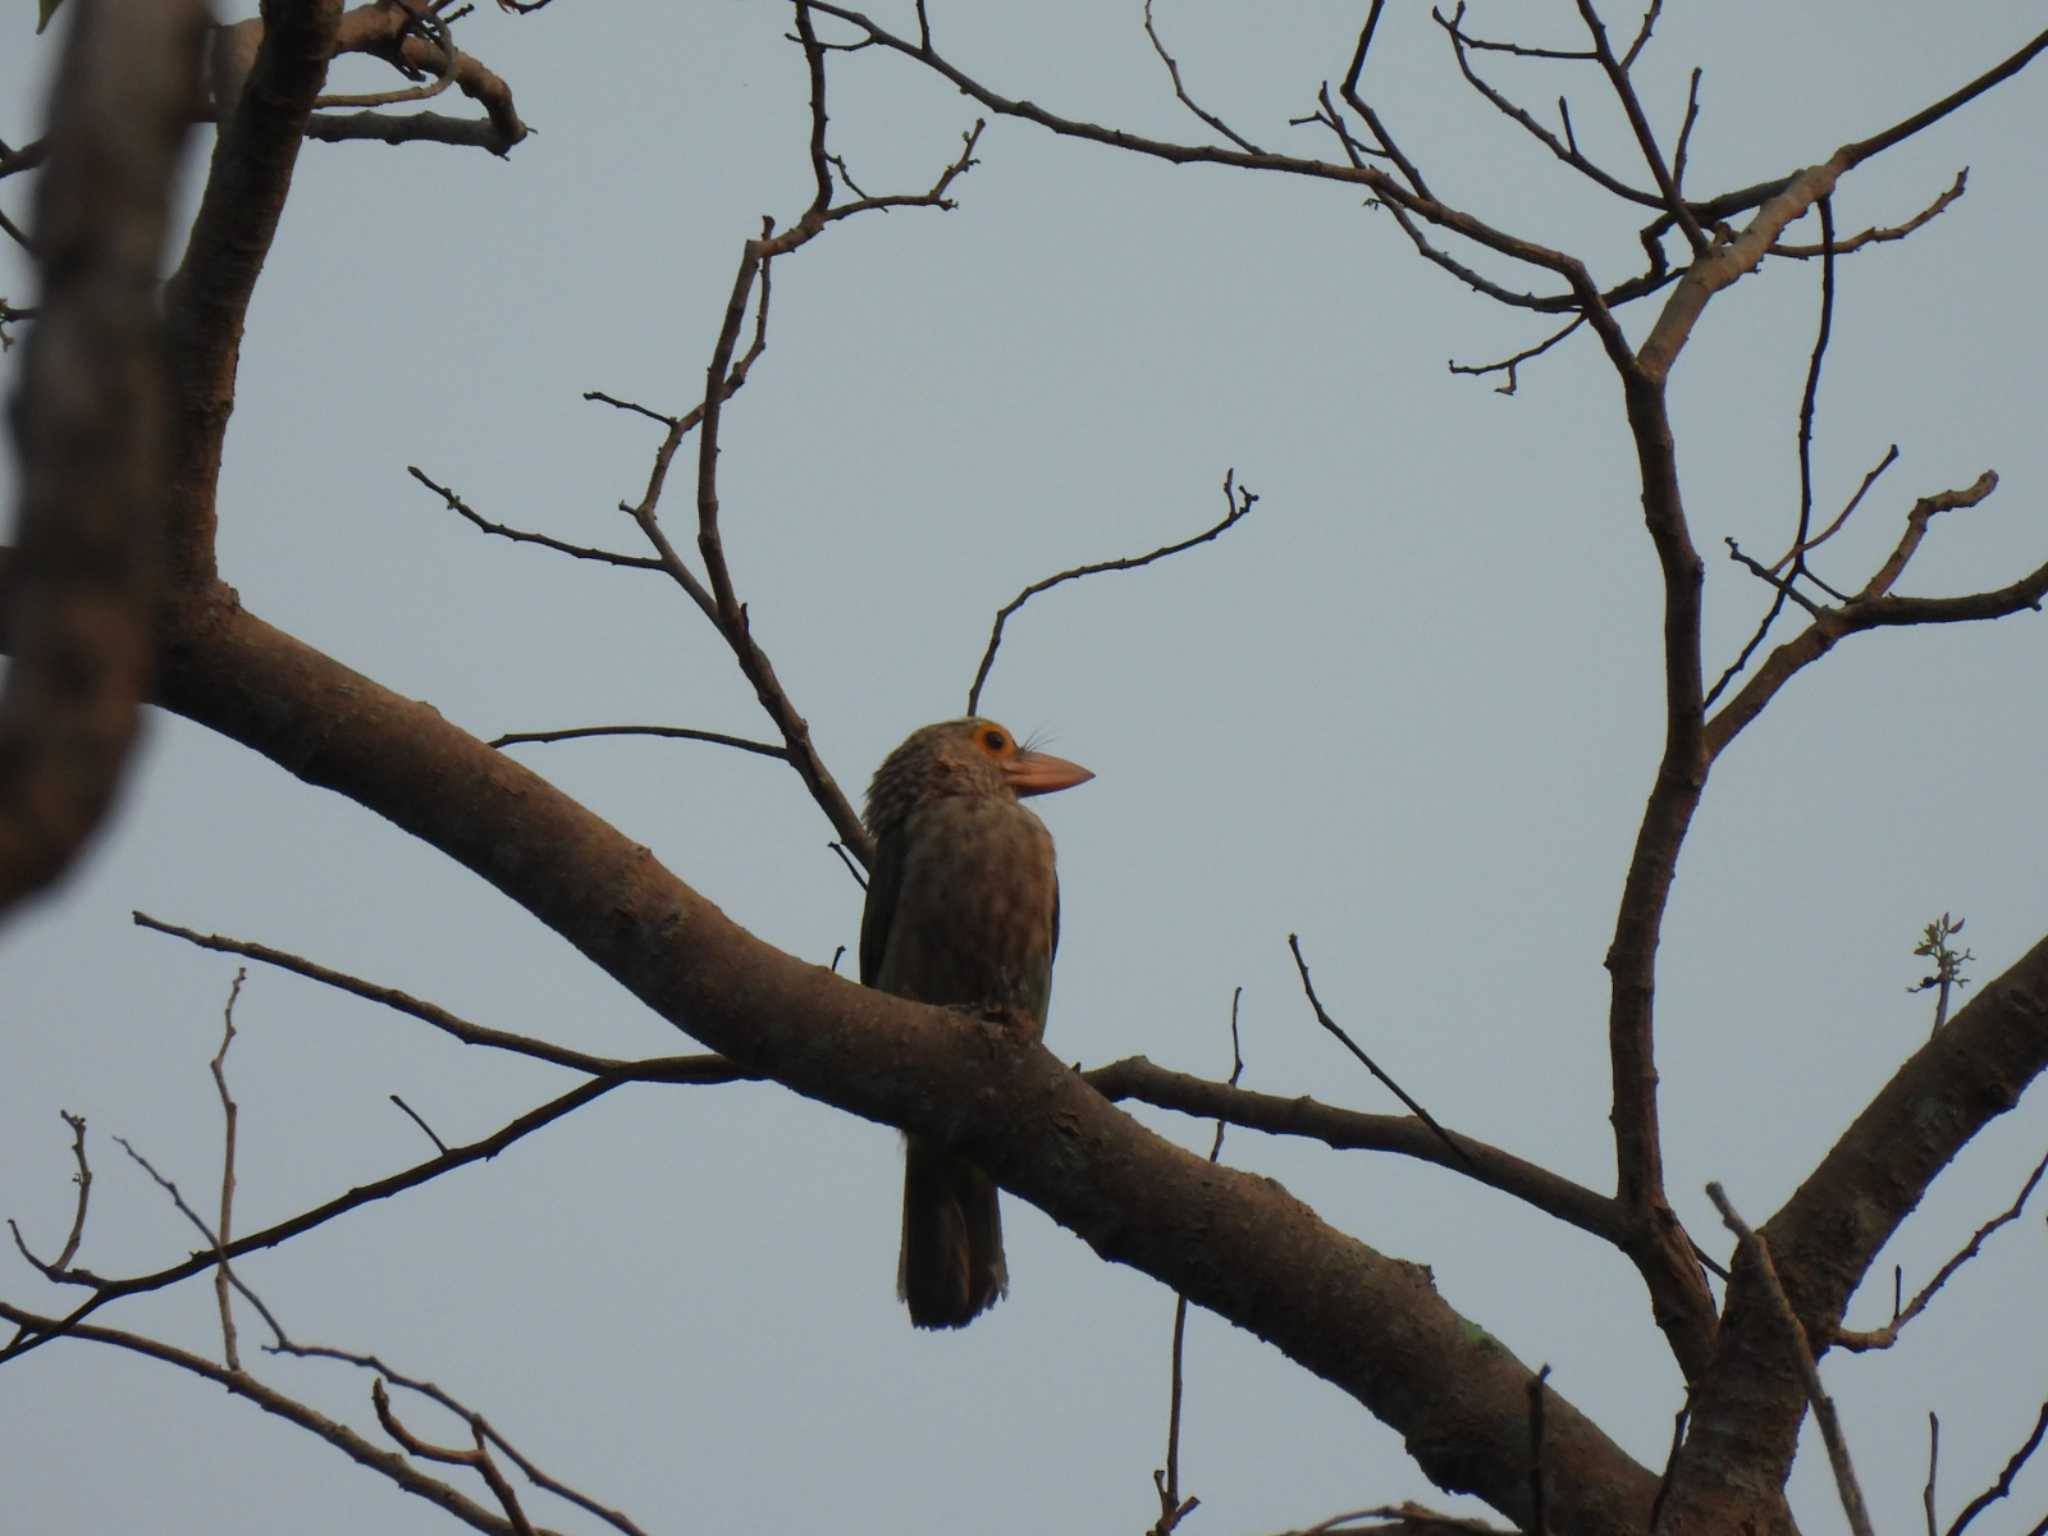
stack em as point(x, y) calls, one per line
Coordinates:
point(83, 1178)
point(26, 158)
point(1371, 1324)
point(1564, 149)
point(669, 732)
point(391, 33)
point(1759, 1255)
point(106, 1290)
point(1539, 1521)
point(439, 1017)
point(715, 596)
point(1747, 1413)
point(241, 1384)
point(1880, 236)
point(213, 1257)
point(1885, 1337)
point(519, 536)
point(414, 1116)
point(1351, 1130)
point(1899, 132)
point(1173, 70)
point(1323, 1018)
point(89, 430)
point(1237, 504)
point(58, 1270)
point(477, 1421)
point(1810, 396)
point(224, 1232)
point(477, 1458)
point(1402, 198)
point(410, 128)
point(1172, 1507)
point(2003, 1485)
point(1646, 140)
point(1784, 590)
point(207, 300)
point(1875, 608)
point(1510, 364)
point(1933, 1460)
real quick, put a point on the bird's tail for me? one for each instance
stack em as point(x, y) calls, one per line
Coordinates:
point(951, 1269)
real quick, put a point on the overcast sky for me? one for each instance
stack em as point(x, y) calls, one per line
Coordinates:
point(1408, 709)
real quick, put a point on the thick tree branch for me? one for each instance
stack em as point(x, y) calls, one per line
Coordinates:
point(1238, 1245)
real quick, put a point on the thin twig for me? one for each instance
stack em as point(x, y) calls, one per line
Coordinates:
point(2003, 1486)
point(1885, 1337)
point(1510, 364)
point(680, 1069)
point(1539, 1514)
point(1238, 501)
point(1323, 1018)
point(1823, 1405)
point(1933, 1460)
point(413, 1115)
point(519, 536)
point(215, 1258)
point(669, 732)
point(224, 1233)
point(241, 1384)
point(1678, 1423)
point(1172, 1507)
point(852, 865)
point(83, 1179)
point(1173, 70)
point(478, 1458)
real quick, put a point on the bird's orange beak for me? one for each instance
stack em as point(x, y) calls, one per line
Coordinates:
point(1040, 773)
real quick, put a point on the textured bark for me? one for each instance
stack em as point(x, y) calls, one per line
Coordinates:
point(1241, 1246)
point(1748, 1410)
point(208, 298)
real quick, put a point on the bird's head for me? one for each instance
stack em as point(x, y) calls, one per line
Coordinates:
point(963, 757)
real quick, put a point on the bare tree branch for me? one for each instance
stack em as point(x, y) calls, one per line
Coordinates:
point(1237, 503)
point(1759, 1258)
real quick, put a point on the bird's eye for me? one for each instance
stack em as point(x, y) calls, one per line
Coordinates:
point(993, 740)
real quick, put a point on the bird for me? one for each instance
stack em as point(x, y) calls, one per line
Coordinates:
point(963, 910)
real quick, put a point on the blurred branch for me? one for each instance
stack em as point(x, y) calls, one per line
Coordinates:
point(85, 577)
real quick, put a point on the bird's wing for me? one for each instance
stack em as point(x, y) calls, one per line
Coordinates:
point(885, 883)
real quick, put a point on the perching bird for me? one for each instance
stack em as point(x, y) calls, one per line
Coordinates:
point(963, 909)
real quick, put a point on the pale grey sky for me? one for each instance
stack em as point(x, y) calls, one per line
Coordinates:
point(1408, 709)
